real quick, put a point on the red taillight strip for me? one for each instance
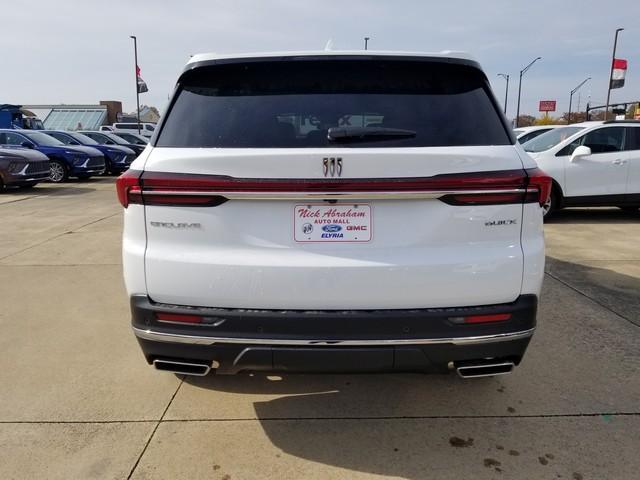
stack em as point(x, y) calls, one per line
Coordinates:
point(178, 318)
point(539, 184)
point(224, 184)
point(498, 317)
point(475, 188)
point(128, 187)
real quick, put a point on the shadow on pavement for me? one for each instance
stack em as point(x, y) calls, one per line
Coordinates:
point(70, 187)
point(594, 215)
point(618, 292)
point(328, 418)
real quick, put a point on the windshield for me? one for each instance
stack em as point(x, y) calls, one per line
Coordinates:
point(83, 139)
point(130, 137)
point(115, 138)
point(42, 139)
point(293, 104)
point(550, 139)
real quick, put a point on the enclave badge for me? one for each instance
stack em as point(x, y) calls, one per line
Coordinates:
point(176, 226)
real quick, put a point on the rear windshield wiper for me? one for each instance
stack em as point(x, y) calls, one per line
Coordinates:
point(365, 134)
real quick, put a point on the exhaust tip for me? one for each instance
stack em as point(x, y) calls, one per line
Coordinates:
point(184, 368)
point(478, 370)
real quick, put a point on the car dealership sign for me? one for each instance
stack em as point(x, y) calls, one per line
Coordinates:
point(547, 106)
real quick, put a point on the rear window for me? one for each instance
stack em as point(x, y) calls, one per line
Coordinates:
point(293, 104)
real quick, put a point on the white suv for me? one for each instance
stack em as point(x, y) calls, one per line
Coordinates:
point(592, 164)
point(333, 212)
point(145, 129)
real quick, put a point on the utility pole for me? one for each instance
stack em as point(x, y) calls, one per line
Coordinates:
point(613, 59)
point(366, 42)
point(522, 72)
point(135, 55)
point(571, 97)
point(506, 91)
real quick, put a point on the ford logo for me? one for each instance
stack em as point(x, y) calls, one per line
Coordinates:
point(332, 228)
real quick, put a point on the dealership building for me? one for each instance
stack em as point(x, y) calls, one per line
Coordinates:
point(87, 117)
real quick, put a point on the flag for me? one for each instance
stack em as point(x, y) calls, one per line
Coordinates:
point(142, 86)
point(618, 73)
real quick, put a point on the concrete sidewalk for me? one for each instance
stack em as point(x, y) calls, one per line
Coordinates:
point(79, 401)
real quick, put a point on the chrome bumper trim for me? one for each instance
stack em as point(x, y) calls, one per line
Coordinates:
point(148, 334)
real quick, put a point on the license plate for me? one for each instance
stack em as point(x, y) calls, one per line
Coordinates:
point(332, 223)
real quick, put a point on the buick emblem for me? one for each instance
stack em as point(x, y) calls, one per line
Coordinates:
point(332, 166)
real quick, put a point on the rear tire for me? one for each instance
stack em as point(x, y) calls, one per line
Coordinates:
point(107, 167)
point(58, 172)
point(549, 208)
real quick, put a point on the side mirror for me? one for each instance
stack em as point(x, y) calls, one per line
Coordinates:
point(27, 144)
point(580, 152)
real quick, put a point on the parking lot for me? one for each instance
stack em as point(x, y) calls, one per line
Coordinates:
point(79, 401)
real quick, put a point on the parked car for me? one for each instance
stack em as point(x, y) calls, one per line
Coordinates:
point(133, 138)
point(592, 164)
point(334, 212)
point(116, 158)
point(22, 167)
point(524, 134)
point(64, 161)
point(107, 138)
point(146, 129)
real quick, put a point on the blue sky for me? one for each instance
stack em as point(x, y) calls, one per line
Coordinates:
point(80, 51)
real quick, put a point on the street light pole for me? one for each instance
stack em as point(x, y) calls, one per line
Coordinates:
point(135, 55)
point(522, 72)
point(366, 42)
point(571, 97)
point(613, 59)
point(506, 90)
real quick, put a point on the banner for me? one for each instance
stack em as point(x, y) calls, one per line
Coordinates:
point(618, 73)
point(142, 86)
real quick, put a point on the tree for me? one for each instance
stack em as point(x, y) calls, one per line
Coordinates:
point(546, 120)
point(597, 115)
point(575, 117)
point(525, 120)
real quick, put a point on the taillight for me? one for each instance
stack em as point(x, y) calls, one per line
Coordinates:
point(129, 188)
point(538, 186)
point(473, 188)
point(178, 318)
point(474, 319)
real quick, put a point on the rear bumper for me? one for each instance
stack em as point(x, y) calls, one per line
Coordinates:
point(423, 340)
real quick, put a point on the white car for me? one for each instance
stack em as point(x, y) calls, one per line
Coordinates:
point(333, 211)
point(592, 164)
point(146, 129)
point(524, 134)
